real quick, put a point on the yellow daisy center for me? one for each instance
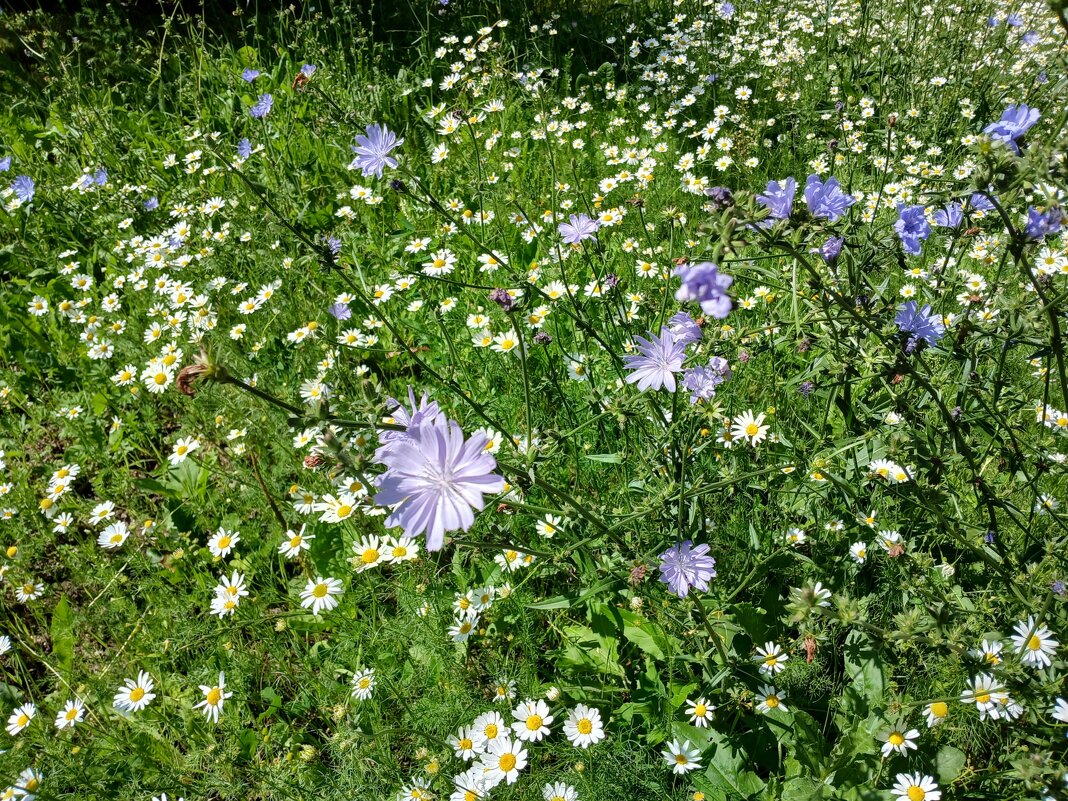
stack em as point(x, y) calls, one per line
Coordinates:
point(700, 711)
point(1034, 643)
point(23, 719)
point(680, 759)
point(72, 713)
point(897, 738)
point(137, 694)
point(751, 430)
point(916, 793)
point(466, 744)
point(585, 726)
point(939, 709)
point(507, 762)
point(214, 696)
point(771, 701)
point(344, 510)
point(319, 591)
point(369, 557)
point(491, 731)
point(224, 542)
point(534, 722)
point(982, 698)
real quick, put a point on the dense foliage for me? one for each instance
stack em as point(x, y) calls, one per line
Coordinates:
point(477, 419)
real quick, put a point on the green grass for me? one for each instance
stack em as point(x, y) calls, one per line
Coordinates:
point(812, 346)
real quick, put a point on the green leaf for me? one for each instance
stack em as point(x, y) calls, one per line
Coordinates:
point(727, 778)
point(607, 458)
point(863, 667)
point(62, 632)
point(645, 634)
point(949, 762)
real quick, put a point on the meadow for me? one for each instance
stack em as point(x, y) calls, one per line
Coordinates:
point(651, 400)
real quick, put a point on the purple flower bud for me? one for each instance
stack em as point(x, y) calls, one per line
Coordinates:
point(543, 338)
point(502, 299)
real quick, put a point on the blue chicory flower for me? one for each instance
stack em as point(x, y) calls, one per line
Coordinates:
point(1015, 122)
point(5, 164)
point(435, 478)
point(250, 75)
point(656, 362)
point(578, 228)
point(262, 107)
point(372, 150)
point(340, 311)
point(912, 227)
point(778, 199)
point(830, 250)
point(920, 324)
point(683, 566)
point(702, 282)
point(702, 381)
point(244, 149)
point(24, 188)
point(151, 204)
point(826, 200)
point(949, 217)
point(1041, 224)
point(683, 327)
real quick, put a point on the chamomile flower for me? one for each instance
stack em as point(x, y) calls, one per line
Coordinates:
point(502, 761)
point(222, 542)
point(136, 694)
point(321, 594)
point(399, 549)
point(21, 718)
point(770, 698)
point(214, 698)
point(532, 719)
point(490, 725)
point(363, 684)
point(467, 743)
point(936, 713)
point(559, 792)
point(749, 427)
point(369, 553)
point(583, 726)
point(771, 659)
point(900, 741)
point(72, 714)
point(682, 757)
point(915, 787)
point(700, 712)
point(295, 543)
point(1034, 643)
point(113, 536)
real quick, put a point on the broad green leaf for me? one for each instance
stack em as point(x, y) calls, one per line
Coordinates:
point(949, 762)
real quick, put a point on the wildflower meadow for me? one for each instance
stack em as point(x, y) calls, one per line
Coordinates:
point(459, 400)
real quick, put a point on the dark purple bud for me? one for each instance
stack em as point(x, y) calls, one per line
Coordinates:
point(806, 388)
point(721, 197)
point(398, 186)
point(502, 299)
point(743, 356)
point(611, 281)
point(988, 538)
point(1059, 588)
point(543, 338)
